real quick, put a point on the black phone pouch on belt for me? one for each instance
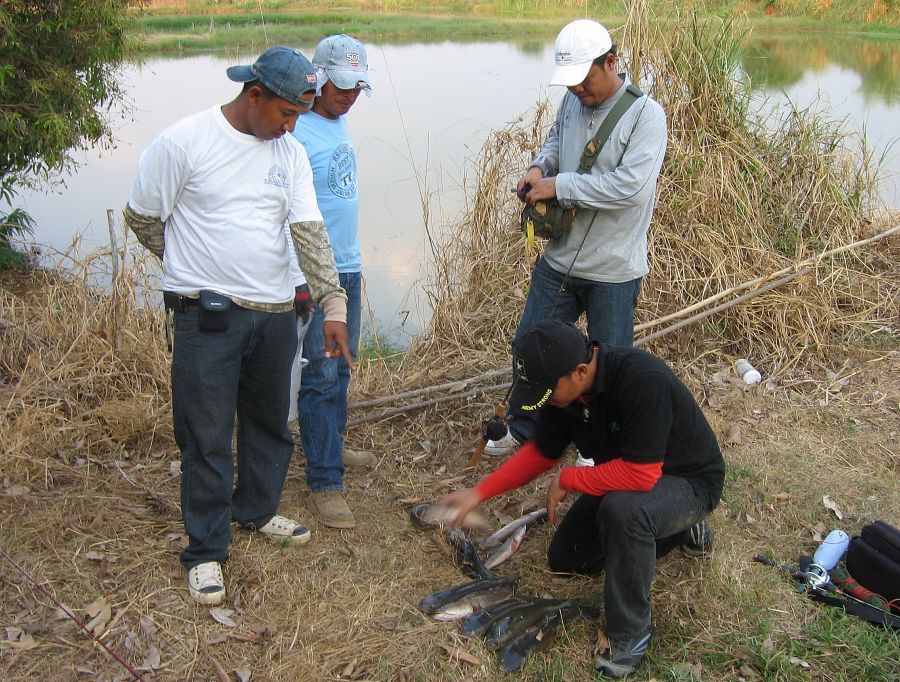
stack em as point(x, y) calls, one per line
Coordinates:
point(213, 311)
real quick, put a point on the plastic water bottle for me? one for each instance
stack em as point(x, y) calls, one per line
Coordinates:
point(747, 372)
point(831, 550)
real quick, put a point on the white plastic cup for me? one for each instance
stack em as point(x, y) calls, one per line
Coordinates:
point(747, 372)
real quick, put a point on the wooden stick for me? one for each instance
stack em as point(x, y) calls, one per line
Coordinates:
point(427, 389)
point(114, 249)
point(394, 411)
point(499, 411)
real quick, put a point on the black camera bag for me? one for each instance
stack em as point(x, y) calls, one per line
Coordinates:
point(873, 559)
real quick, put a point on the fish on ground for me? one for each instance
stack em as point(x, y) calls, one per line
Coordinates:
point(473, 596)
point(535, 638)
point(478, 623)
point(535, 518)
point(437, 515)
point(506, 550)
point(467, 556)
point(503, 631)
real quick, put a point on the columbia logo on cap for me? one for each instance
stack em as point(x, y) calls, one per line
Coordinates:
point(563, 58)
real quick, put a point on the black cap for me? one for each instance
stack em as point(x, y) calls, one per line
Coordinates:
point(541, 357)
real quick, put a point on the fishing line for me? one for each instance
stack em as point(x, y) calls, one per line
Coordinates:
point(71, 615)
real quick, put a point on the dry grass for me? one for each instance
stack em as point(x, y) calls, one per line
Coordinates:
point(89, 500)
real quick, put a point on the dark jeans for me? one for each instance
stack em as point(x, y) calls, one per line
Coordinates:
point(245, 369)
point(624, 532)
point(322, 403)
point(610, 317)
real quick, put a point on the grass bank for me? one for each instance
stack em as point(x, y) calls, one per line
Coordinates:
point(203, 25)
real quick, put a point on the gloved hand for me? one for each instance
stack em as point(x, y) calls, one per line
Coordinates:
point(303, 303)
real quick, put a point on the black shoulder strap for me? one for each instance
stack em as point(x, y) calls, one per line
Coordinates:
point(592, 149)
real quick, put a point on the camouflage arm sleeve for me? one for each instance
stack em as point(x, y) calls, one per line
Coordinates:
point(317, 262)
point(149, 231)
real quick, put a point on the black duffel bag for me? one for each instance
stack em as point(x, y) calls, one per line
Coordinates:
point(873, 559)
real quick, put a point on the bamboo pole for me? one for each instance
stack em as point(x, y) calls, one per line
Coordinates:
point(759, 280)
point(790, 273)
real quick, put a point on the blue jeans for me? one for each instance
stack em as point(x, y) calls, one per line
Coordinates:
point(244, 369)
point(322, 404)
point(610, 317)
point(623, 533)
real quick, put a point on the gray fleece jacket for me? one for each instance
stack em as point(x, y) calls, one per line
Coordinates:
point(615, 200)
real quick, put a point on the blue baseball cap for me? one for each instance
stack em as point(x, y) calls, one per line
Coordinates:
point(343, 59)
point(283, 70)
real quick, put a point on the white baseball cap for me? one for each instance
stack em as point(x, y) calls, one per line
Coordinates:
point(577, 46)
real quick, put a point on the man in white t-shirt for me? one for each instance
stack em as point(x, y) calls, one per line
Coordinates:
point(211, 199)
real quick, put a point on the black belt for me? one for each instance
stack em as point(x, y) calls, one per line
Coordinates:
point(177, 302)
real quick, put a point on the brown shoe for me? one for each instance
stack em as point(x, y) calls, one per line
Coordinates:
point(332, 509)
point(357, 459)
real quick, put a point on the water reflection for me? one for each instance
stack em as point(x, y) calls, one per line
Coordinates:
point(780, 62)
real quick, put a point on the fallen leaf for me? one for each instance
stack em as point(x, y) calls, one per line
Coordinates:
point(783, 497)
point(95, 607)
point(518, 293)
point(98, 623)
point(793, 660)
point(147, 625)
point(84, 670)
point(348, 669)
point(457, 654)
point(18, 490)
point(243, 673)
point(219, 638)
point(768, 646)
point(714, 401)
point(153, 658)
point(60, 614)
point(691, 671)
point(175, 467)
point(832, 505)
point(733, 435)
point(223, 616)
point(220, 671)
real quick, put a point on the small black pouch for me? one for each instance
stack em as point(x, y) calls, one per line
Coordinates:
point(873, 559)
point(213, 311)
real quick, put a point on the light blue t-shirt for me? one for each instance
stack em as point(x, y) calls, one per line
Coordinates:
point(333, 162)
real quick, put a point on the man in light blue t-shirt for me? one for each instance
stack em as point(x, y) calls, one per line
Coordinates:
point(322, 404)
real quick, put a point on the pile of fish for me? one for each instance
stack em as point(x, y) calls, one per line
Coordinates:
point(513, 627)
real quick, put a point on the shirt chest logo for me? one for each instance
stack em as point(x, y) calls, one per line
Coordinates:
point(342, 172)
point(277, 176)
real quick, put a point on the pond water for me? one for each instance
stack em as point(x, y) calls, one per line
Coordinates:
point(433, 105)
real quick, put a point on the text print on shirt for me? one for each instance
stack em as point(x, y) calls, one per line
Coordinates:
point(342, 172)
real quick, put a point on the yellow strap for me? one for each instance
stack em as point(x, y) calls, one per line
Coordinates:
point(529, 233)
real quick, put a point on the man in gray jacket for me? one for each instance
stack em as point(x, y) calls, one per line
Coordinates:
point(596, 267)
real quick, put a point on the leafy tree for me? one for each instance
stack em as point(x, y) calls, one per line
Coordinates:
point(57, 83)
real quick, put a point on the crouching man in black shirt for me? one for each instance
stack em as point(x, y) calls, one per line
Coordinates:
point(658, 471)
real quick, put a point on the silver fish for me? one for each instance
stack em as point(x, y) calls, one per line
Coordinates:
point(471, 603)
point(506, 550)
point(537, 517)
point(437, 601)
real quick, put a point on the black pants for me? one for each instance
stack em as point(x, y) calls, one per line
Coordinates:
point(623, 532)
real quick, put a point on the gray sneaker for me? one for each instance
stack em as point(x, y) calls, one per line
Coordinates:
point(622, 660)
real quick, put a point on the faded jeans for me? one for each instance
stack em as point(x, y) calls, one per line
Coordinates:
point(244, 369)
point(322, 405)
point(624, 532)
point(610, 317)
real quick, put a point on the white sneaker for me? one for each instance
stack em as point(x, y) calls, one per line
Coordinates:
point(502, 447)
point(582, 461)
point(206, 583)
point(282, 528)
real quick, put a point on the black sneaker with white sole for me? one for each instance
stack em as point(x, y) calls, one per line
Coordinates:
point(698, 540)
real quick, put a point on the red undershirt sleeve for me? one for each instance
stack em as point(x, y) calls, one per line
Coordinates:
point(616, 474)
point(525, 465)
